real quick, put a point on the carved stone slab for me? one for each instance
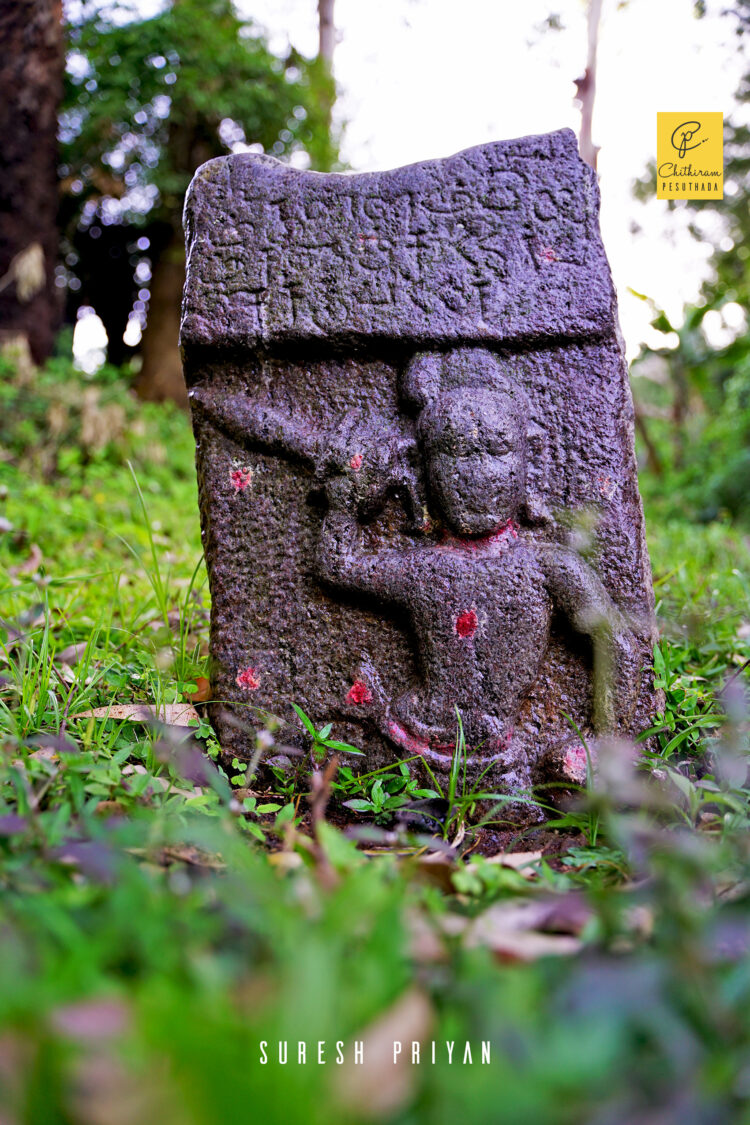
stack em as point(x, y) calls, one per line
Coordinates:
point(415, 456)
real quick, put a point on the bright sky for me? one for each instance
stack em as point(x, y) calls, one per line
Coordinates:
point(426, 78)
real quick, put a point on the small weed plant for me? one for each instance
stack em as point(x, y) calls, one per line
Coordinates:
point(164, 911)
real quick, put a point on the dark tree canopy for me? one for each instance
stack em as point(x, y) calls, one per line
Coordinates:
point(146, 102)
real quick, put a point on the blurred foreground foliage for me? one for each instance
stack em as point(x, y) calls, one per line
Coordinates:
point(159, 919)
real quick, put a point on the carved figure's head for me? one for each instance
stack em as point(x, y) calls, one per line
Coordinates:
point(473, 428)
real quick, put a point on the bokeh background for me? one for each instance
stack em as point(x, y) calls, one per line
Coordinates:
point(160, 915)
point(144, 91)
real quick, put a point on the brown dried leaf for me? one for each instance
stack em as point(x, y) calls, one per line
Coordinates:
point(425, 941)
point(522, 862)
point(188, 853)
point(204, 690)
point(44, 754)
point(159, 782)
point(32, 563)
point(91, 1019)
point(286, 861)
point(384, 1086)
point(525, 930)
point(527, 945)
point(110, 808)
point(173, 714)
point(73, 654)
point(437, 870)
point(243, 792)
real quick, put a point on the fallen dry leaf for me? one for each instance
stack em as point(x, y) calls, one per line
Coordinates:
point(527, 945)
point(425, 941)
point(173, 714)
point(32, 563)
point(385, 1084)
point(101, 1088)
point(195, 857)
point(73, 654)
point(179, 853)
point(243, 792)
point(522, 862)
point(438, 870)
point(91, 1019)
point(17, 1057)
point(286, 861)
point(160, 782)
point(204, 690)
point(526, 930)
point(110, 808)
point(44, 754)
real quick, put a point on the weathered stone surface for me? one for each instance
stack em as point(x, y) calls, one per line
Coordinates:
point(415, 455)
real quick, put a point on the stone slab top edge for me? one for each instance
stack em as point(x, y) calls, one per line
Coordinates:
point(498, 244)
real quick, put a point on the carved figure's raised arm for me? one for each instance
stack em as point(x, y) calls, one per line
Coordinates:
point(247, 422)
point(342, 561)
point(579, 593)
point(379, 459)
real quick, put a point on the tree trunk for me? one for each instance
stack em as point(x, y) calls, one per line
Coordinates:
point(653, 460)
point(326, 31)
point(31, 77)
point(323, 160)
point(161, 377)
point(586, 86)
point(680, 402)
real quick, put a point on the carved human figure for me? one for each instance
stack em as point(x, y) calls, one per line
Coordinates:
point(480, 600)
point(481, 597)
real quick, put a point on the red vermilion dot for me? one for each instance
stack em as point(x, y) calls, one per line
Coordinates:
point(406, 740)
point(576, 763)
point(248, 679)
point(509, 527)
point(240, 478)
point(359, 693)
point(548, 254)
point(466, 623)
point(356, 462)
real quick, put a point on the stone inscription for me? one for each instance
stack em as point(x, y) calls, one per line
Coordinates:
point(489, 244)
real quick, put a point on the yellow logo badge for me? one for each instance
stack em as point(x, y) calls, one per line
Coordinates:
point(689, 156)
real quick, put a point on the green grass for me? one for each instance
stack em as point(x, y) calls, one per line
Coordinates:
point(160, 918)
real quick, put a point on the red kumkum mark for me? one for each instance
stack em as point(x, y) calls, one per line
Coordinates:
point(510, 527)
point(466, 623)
point(356, 462)
point(248, 679)
point(359, 693)
point(407, 741)
point(607, 487)
point(576, 764)
point(416, 745)
point(241, 478)
point(498, 538)
point(548, 254)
